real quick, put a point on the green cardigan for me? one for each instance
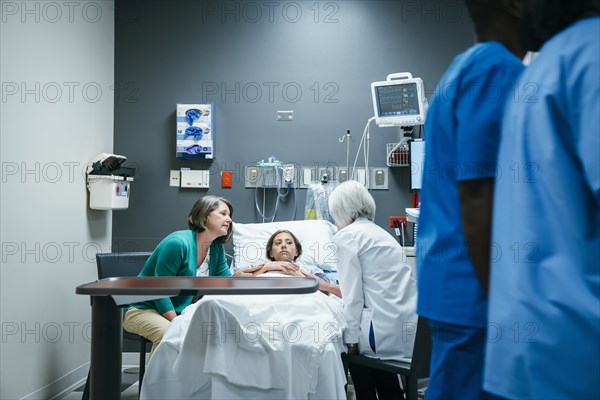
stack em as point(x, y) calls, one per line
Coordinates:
point(177, 255)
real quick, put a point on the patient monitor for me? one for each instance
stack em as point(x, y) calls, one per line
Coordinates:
point(399, 101)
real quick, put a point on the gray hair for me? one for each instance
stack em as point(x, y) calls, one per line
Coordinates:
point(350, 201)
point(198, 217)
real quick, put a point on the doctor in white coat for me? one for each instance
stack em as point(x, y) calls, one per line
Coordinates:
point(379, 294)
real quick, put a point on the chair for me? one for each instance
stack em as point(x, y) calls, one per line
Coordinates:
point(124, 264)
point(417, 369)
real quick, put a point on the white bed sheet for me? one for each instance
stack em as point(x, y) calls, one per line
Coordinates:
point(251, 347)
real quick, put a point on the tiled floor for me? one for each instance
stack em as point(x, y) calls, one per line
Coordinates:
point(129, 387)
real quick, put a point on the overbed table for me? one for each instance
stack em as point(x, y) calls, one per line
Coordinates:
point(109, 295)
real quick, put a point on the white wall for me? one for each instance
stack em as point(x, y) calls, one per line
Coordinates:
point(57, 74)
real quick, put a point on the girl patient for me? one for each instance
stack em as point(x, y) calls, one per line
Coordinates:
point(283, 248)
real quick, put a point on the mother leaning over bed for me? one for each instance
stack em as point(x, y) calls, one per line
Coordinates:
point(379, 295)
point(180, 254)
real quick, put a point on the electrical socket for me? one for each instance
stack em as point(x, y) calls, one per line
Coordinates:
point(251, 176)
point(285, 115)
point(343, 175)
point(175, 178)
point(378, 178)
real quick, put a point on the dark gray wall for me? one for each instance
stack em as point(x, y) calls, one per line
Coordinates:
point(180, 51)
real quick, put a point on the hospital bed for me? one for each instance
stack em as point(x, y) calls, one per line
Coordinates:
point(256, 347)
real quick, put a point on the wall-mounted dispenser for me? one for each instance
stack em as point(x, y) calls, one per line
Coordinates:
point(109, 182)
point(195, 131)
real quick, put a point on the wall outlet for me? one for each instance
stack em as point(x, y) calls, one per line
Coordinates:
point(285, 115)
point(175, 178)
point(378, 178)
point(251, 176)
point(343, 175)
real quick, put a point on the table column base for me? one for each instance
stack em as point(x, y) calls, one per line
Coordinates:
point(107, 345)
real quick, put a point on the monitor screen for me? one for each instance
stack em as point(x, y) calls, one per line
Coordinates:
point(398, 100)
point(416, 155)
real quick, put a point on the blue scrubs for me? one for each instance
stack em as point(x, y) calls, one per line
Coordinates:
point(545, 283)
point(462, 138)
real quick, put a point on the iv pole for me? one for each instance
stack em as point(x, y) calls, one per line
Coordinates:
point(347, 138)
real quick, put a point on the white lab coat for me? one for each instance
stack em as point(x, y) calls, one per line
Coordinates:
point(377, 288)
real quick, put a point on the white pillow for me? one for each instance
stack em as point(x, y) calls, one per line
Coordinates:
point(315, 236)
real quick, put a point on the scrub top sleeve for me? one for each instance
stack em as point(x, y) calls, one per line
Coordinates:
point(218, 262)
point(479, 108)
point(585, 98)
point(350, 277)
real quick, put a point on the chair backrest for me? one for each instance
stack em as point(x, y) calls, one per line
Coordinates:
point(422, 349)
point(112, 265)
point(120, 264)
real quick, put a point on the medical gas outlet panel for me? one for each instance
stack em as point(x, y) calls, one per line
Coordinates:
point(301, 177)
point(271, 174)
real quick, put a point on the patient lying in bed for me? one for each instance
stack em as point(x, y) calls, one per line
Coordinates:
point(283, 248)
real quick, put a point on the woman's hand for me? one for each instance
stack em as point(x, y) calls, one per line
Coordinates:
point(170, 315)
point(352, 348)
point(247, 271)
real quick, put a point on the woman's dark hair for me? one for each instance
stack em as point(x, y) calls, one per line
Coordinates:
point(272, 239)
point(198, 217)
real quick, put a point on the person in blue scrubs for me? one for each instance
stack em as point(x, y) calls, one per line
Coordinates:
point(545, 279)
point(462, 137)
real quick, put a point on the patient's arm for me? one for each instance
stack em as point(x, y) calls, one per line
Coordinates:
point(283, 267)
point(247, 271)
point(326, 287)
